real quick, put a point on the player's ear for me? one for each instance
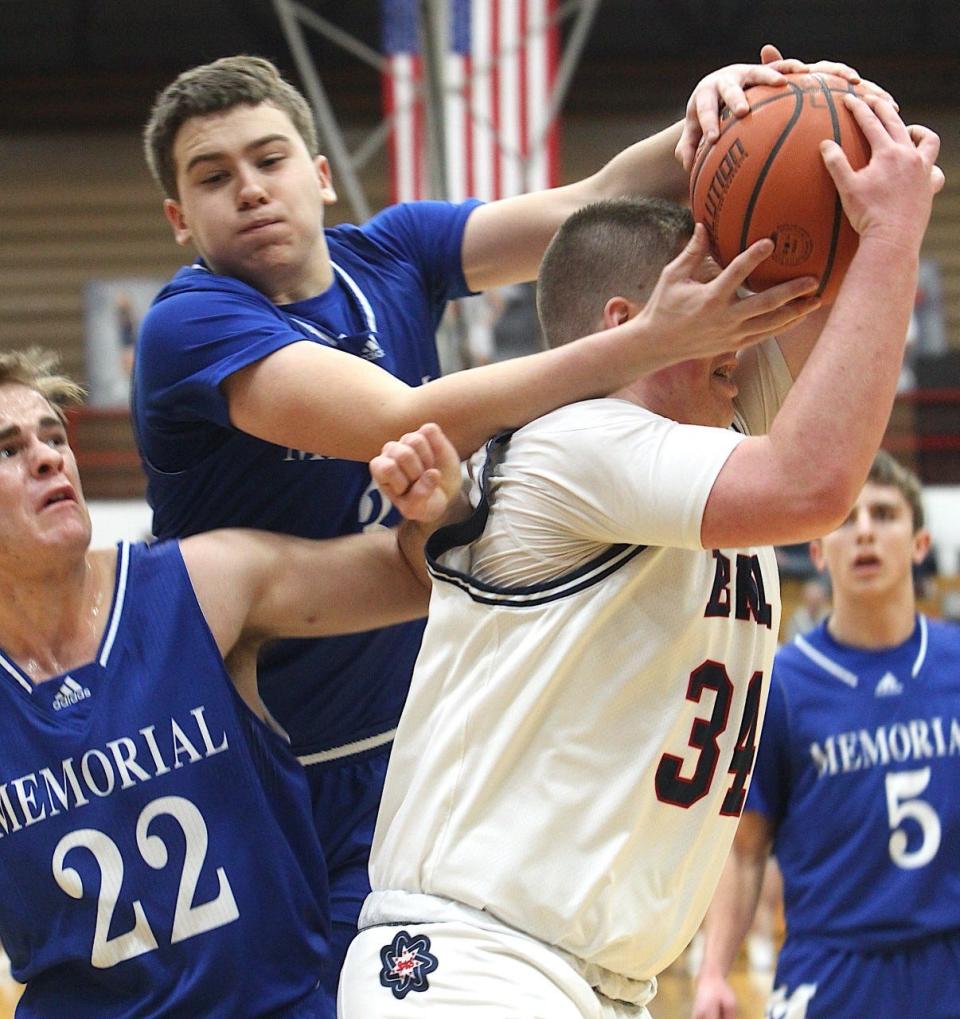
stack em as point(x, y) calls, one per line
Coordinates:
point(617, 311)
point(322, 167)
point(921, 545)
point(816, 555)
point(175, 217)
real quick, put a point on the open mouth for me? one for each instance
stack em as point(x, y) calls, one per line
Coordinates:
point(866, 562)
point(57, 497)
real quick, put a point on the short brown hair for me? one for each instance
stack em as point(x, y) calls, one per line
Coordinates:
point(214, 88)
point(611, 248)
point(37, 369)
point(885, 470)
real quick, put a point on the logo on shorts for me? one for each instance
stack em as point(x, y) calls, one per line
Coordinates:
point(406, 963)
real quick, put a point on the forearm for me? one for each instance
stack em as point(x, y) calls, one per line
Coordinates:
point(310, 398)
point(472, 405)
point(731, 913)
point(648, 167)
point(412, 536)
point(504, 241)
point(799, 481)
point(834, 418)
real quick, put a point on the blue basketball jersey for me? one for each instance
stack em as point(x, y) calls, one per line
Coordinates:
point(157, 854)
point(857, 769)
point(392, 280)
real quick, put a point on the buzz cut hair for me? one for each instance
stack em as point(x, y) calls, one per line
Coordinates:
point(216, 88)
point(885, 470)
point(613, 248)
point(37, 369)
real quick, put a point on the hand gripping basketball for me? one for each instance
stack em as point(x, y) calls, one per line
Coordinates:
point(764, 177)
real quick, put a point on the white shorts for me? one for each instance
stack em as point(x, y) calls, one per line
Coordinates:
point(398, 972)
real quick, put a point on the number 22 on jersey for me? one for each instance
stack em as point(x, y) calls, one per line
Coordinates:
point(188, 920)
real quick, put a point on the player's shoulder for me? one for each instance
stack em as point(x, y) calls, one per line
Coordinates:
point(198, 279)
point(591, 416)
point(804, 656)
point(404, 221)
point(946, 631)
point(194, 289)
point(592, 436)
point(943, 636)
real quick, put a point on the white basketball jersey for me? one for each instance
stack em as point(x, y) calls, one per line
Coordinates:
point(578, 738)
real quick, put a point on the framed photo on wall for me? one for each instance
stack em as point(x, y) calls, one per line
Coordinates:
point(113, 310)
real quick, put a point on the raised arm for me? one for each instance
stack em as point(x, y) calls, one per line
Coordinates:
point(253, 585)
point(505, 240)
point(800, 479)
point(730, 915)
point(312, 397)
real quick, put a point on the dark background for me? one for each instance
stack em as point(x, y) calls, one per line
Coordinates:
point(94, 64)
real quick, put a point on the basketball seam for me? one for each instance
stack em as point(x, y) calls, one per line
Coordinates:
point(762, 175)
point(731, 123)
point(838, 205)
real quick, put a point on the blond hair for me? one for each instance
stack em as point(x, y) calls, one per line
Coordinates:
point(36, 369)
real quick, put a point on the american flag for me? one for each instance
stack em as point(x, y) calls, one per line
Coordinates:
point(499, 66)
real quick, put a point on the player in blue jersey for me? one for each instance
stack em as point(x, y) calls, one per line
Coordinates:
point(287, 351)
point(855, 790)
point(158, 855)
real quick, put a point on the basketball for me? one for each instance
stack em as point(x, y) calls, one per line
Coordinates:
point(764, 177)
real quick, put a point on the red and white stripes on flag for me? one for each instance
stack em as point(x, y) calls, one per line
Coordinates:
point(499, 66)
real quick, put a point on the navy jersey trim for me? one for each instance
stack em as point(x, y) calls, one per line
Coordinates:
point(457, 535)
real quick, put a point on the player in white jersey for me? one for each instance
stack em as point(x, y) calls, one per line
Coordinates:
point(855, 790)
point(579, 736)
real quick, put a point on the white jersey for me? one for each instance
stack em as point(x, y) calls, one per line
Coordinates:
point(575, 749)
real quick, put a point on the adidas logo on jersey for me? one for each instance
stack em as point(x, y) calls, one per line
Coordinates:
point(889, 686)
point(70, 692)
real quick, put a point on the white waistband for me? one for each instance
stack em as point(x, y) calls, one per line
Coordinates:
point(348, 749)
point(398, 907)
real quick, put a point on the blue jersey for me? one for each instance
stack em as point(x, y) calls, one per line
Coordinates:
point(857, 769)
point(392, 280)
point(157, 853)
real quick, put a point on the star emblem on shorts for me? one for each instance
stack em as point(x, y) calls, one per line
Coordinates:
point(406, 962)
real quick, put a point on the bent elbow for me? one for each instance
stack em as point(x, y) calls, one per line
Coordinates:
point(827, 502)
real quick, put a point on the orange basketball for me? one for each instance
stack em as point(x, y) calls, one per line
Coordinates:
point(764, 177)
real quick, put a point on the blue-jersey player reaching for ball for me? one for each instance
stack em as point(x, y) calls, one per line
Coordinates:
point(158, 856)
point(855, 790)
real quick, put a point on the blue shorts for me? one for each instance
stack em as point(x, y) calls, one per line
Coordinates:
point(345, 793)
point(918, 981)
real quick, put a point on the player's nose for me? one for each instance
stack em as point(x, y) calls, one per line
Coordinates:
point(251, 190)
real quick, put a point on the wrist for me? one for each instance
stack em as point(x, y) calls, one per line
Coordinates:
point(889, 243)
